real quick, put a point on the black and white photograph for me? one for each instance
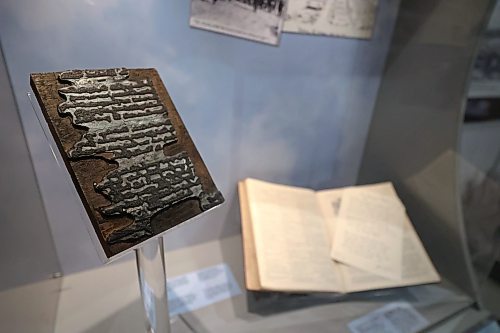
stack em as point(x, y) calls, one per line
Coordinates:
point(343, 18)
point(258, 20)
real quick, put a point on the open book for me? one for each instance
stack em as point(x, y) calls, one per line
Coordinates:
point(340, 240)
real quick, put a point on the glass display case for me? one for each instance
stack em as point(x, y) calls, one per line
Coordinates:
point(313, 111)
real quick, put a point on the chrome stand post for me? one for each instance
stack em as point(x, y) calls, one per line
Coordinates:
point(153, 283)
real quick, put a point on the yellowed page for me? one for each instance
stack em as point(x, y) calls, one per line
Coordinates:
point(417, 268)
point(369, 233)
point(250, 259)
point(329, 201)
point(291, 243)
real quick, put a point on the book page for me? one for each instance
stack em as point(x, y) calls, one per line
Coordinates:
point(417, 268)
point(329, 201)
point(252, 281)
point(369, 233)
point(291, 243)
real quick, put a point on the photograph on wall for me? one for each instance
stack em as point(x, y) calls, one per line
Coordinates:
point(258, 20)
point(343, 18)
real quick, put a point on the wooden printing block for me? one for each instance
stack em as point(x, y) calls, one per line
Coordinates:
point(131, 159)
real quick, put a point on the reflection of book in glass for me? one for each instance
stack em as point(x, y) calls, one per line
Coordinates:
point(485, 77)
point(480, 109)
point(296, 240)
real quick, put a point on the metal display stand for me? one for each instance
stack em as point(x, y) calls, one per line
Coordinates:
point(150, 258)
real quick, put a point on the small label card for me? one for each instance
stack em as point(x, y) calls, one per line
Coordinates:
point(397, 317)
point(201, 288)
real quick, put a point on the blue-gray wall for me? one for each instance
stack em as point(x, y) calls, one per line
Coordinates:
point(27, 252)
point(297, 114)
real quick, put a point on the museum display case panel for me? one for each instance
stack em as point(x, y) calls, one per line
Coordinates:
point(318, 111)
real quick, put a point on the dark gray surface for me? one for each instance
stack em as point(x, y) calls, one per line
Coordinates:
point(93, 301)
point(413, 139)
point(27, 252)
point(280, 312)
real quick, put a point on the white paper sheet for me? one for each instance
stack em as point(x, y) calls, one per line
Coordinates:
point(369, 233)
point(200, 288)
point(397, 317)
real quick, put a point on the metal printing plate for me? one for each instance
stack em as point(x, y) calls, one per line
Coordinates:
point(131, 159)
